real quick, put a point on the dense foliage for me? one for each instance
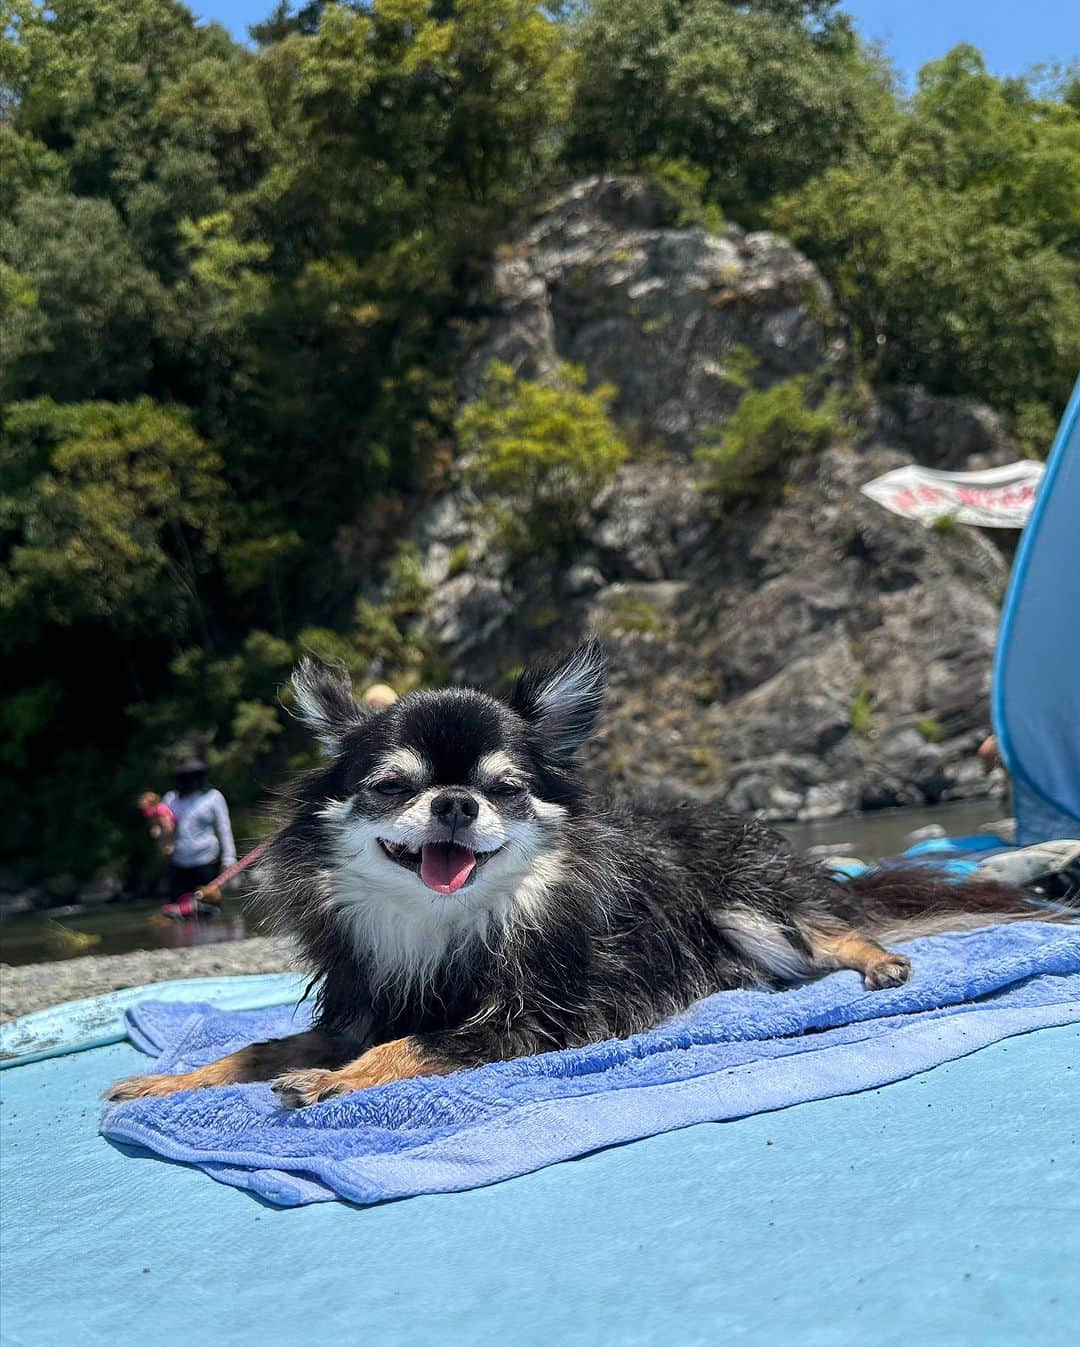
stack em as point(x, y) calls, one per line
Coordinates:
point(231, 279)
point(768, 430)
point(760, 96)
point(537, 454)
point(953, 240)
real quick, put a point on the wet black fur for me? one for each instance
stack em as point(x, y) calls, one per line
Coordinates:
point(635, 931)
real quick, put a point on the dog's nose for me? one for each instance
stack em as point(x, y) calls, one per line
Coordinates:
point(455, 808)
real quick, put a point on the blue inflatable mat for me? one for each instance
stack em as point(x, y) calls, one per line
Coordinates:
point(955, 856)
point(940, 1209)
point(98, 1020)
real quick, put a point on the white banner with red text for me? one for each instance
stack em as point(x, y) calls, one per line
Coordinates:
point(995, 498)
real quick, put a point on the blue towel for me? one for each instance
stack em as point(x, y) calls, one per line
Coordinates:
point(731, 1055)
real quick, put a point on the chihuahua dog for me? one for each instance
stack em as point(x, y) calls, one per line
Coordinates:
point(461, 897)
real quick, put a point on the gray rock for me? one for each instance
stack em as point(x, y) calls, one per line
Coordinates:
point(925, 834)
point(466, 611)
point(665, 314)
point(11, 904)
point(649, 523)
point(943, 432)
point(582, 580)
point(782, 656)
point(827, 801)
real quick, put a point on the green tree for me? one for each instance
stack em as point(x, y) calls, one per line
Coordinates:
point(212, 141)
point(111, 516)
point(80, 314)
point(26, 167)
point(405, 133)
point(759, 95)
point(83, 76)
point(951, 242)
point(282, 22)
point(969, 131)
point(109, 520)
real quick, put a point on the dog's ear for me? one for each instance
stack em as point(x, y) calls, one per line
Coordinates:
point(324, 701)
point(563, 700)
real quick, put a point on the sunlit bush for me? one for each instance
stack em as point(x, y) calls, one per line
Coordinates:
point(537, 454)
point(769, 428)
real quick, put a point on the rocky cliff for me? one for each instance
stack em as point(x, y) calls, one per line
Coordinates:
point(806, 658)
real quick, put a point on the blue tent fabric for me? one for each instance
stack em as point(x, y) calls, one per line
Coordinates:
point(923, 1212)
point(934, 1210)
point(732, 1055)
point(1036, 700)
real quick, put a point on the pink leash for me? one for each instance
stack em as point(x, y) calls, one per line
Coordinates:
point(234, 869)
point(187, 905)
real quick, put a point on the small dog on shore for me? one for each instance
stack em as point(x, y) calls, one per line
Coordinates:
point(462, 898)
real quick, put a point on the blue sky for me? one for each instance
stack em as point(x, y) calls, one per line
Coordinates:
point(1013, 34)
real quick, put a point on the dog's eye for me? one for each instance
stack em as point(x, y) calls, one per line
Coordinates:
point(392, 785)
point(506, 788)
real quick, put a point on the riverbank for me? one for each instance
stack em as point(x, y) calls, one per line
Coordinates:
point(30, 987)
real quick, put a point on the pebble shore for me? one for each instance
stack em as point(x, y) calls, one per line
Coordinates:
point(28, 987)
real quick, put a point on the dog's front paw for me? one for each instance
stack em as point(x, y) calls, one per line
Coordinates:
point(892, 971)
point(298, 1089)
point(144, 1087)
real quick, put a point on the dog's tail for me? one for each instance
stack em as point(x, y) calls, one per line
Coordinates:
point(903, 901)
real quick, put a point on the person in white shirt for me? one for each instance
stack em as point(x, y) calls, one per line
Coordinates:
point(203, 843)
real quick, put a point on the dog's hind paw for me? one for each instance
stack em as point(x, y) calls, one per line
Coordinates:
point(299, 1089)
point(892, 971)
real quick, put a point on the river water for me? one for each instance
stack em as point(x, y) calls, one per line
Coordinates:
point(117, 928)
point(885, 832)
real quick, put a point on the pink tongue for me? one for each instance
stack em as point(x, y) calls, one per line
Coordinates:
point(444, 866)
